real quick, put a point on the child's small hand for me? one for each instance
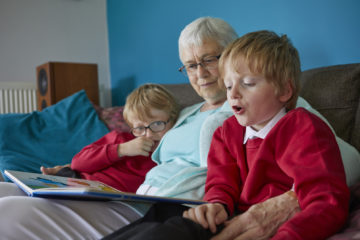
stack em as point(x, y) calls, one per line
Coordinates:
point(207, 215)
point(52, 170)
point(138, 146)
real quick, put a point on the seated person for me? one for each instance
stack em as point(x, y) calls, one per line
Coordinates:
point(122, 160)
point(266, 149)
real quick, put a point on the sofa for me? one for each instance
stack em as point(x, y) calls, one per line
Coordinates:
point(334, 91)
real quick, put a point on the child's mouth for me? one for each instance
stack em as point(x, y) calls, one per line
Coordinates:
point(237, 109)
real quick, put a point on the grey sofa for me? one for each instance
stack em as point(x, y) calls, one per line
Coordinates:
point(335, 92)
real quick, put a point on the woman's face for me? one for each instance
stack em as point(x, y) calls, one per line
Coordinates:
point(204, 81)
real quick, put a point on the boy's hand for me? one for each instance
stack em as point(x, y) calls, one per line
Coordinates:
point(52, 170)
point(207, 215)
point(138, 146)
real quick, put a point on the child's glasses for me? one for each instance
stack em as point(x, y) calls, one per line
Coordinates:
point(155, 127)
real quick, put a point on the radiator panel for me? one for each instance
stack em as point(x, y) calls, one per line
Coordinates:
point(17, 100)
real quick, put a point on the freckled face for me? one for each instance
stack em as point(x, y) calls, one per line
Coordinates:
point(159, 115)
point(251, 96)
point(204, 82)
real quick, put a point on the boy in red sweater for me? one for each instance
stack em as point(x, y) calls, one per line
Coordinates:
point(122, 160)
point(268, 148)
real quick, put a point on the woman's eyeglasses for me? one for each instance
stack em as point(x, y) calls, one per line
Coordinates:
point(209, 63)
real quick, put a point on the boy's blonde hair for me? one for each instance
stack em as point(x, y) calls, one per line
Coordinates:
point(270, 55)
point(150, 96)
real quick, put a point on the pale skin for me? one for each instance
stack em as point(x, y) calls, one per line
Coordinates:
point(205, 82)
point(254, 102)
point(141, 145)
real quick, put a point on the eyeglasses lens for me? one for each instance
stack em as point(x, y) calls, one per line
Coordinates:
point(157, 126)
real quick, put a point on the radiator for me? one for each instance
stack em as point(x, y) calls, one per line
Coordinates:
point(17, 100)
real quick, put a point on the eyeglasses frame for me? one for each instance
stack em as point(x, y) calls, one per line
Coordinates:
point(182, 69)
point(148, 127)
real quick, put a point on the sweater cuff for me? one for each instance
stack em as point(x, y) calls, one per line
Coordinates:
point(113, 152)
point(228, 207)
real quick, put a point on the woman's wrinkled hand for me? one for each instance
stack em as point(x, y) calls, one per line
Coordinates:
point(260, 221)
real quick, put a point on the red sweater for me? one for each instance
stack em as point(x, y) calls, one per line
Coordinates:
point(100, 161)
point(299, 150)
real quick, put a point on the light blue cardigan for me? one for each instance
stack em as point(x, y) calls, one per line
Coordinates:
point(190, 182)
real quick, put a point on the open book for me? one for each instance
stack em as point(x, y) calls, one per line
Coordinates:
point(49, 186)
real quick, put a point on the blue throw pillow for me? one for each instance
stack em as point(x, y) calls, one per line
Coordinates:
point(50, 137)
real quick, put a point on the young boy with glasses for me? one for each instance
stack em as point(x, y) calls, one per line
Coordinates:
point(121, 159)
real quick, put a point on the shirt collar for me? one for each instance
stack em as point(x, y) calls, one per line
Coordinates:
point(250, 133)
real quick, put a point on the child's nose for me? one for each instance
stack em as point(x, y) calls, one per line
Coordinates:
point(149, 133)
point(234, 93)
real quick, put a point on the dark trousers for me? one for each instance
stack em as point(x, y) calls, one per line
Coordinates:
point(163, 221)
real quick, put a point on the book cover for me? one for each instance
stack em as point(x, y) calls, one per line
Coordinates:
point(49, 186)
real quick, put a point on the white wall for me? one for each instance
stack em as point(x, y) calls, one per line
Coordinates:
point(33, 32)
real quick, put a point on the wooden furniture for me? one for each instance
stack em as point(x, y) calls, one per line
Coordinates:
point(57, 80)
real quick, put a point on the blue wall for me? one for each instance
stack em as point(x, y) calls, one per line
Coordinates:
point(143, 33)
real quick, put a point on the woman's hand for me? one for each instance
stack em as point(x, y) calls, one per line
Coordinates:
point(207, 215)
point(52, 170)
point(138, 146)
point(261, 221)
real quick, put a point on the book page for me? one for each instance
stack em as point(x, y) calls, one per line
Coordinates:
point(37, 181)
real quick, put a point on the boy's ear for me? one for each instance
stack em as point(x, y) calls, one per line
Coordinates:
point(287, 92)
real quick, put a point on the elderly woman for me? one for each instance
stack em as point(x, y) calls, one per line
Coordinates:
point(181, 158)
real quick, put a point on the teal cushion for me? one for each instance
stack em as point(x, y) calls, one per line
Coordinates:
point(50, 137)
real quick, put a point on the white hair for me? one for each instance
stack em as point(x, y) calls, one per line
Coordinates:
point(206, 28)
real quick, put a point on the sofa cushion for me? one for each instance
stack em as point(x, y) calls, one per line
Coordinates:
point(334, 92)
point(50, 137)
point(184, 94)
point(113, 118)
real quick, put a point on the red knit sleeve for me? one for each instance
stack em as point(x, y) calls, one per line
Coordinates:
point(307, 151)
point(100, 154)
point(223, 181)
